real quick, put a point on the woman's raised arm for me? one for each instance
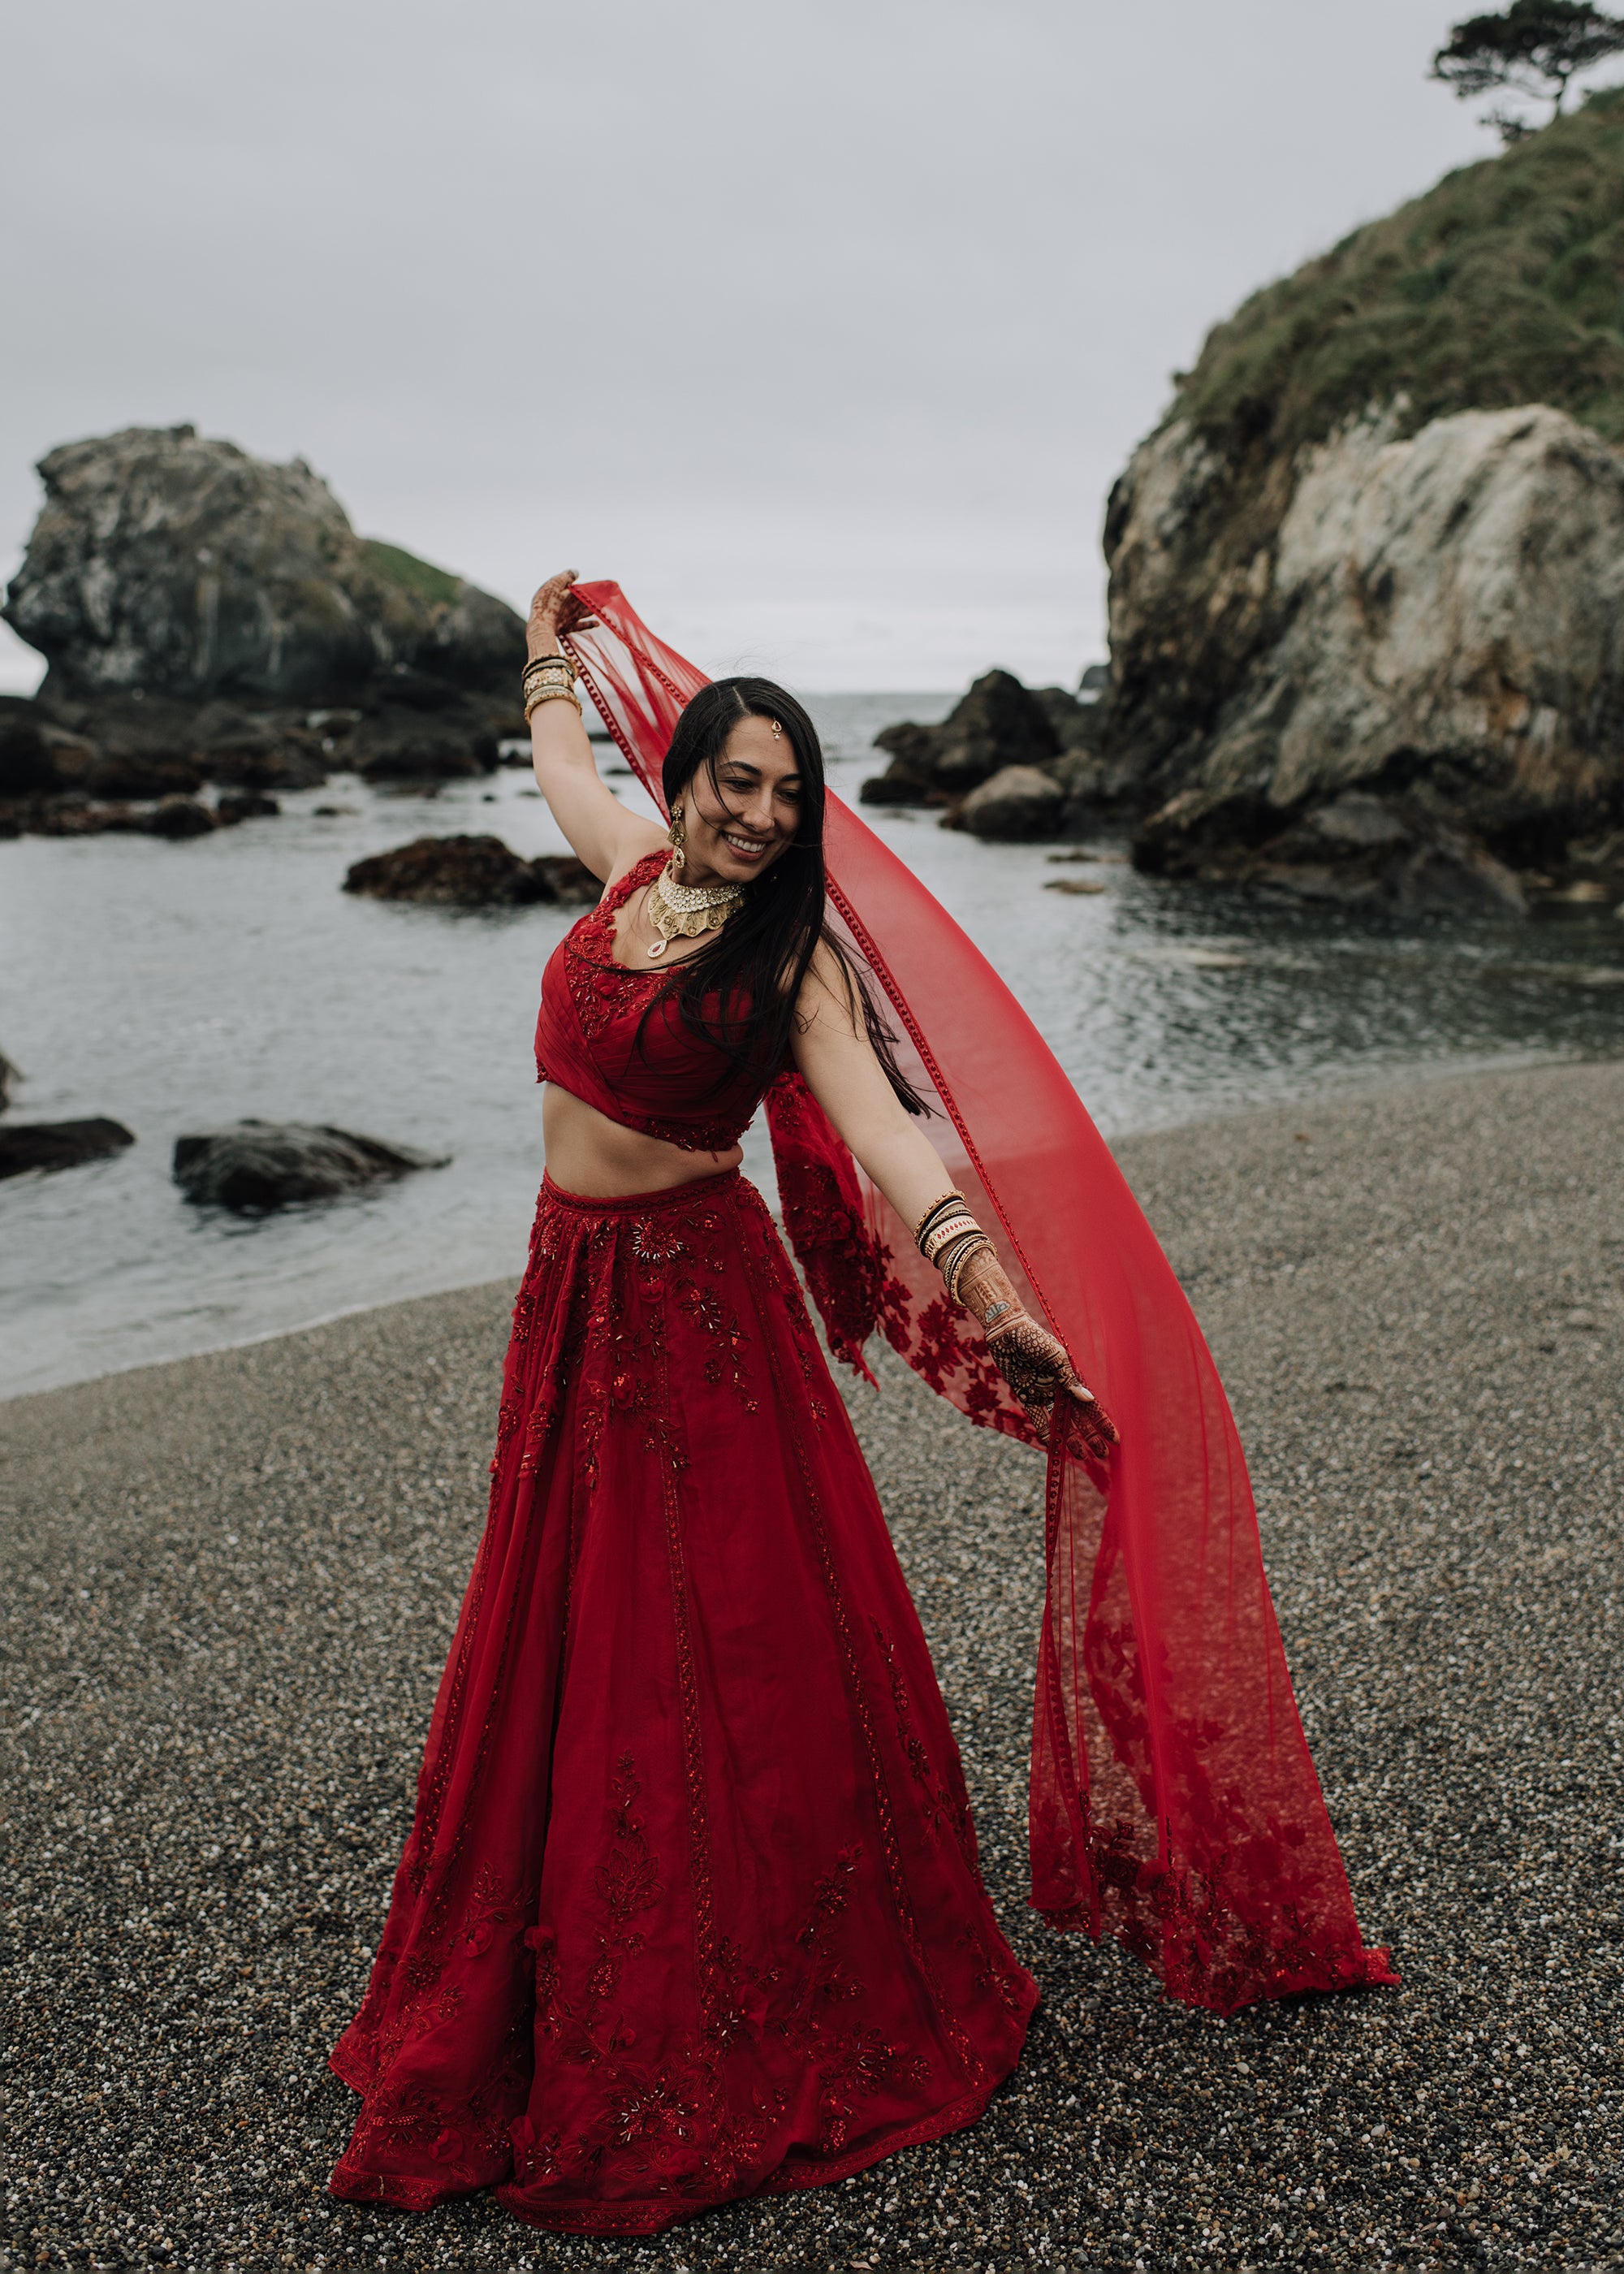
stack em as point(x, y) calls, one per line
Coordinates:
point(600, 830)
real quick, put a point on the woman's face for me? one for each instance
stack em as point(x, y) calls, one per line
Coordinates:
point(738, 824)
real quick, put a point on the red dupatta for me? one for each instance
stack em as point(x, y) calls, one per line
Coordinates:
point(1173, 1801)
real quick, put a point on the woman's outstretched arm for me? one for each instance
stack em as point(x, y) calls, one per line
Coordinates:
point(836, 1059)
point(837, 1062)
point(601, 833)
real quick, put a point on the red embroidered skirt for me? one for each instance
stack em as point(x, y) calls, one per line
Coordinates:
point(690, 1910)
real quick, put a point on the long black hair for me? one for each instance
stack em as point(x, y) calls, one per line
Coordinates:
point(740, 989)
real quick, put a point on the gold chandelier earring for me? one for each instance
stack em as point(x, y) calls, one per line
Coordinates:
point(678, 835)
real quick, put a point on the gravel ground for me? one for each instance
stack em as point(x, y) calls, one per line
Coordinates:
point(234, 1578)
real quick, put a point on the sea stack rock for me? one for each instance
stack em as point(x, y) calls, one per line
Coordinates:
point(1366, 574)
point(179, 566)
point(1440, 630)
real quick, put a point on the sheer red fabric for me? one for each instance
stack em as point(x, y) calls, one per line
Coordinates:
point(672, 1928)
point(1173, 1801)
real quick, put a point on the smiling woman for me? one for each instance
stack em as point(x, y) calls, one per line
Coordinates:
point(691, 1908)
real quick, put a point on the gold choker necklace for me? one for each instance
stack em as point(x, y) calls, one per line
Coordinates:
point(683, 911)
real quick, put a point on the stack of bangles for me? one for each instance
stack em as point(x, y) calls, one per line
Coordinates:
point(948, 1236)
point(549, 679)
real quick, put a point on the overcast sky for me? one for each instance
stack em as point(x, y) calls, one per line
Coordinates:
point(823, 328)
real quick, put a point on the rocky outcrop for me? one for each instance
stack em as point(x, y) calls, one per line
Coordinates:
point(1410, 689)
point(472, 872)
point(998, 723)
point(187, 569)
point(58, 1144)
point(252, 1166)
point(1001, 726)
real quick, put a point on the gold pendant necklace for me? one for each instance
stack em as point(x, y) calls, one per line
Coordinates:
point(684, 911)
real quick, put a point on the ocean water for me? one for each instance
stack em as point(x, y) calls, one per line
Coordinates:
point(175, 986)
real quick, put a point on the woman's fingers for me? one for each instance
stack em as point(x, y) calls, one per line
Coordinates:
point(1094, 1422)
point(550, 596)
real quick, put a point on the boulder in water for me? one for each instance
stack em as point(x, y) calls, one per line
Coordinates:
point(1017, 804)
point(244, 805)
point(252, 1166)
point(472, 873)
point(58, 1144)
point(179, 818)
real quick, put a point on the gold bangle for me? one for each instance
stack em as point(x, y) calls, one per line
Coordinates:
point(934, 1209)
point(553, 694)
point(942, 1236)
point(954, 1270)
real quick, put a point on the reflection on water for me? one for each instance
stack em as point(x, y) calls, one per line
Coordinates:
point(173, 986)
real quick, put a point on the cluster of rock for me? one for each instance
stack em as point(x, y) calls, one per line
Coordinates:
point(247, 1167)
point(208, 617)
point(472, 872)
point(1009, 763)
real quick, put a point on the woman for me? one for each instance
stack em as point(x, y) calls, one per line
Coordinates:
point(691, 1910)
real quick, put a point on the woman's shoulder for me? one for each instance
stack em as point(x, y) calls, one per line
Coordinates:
point(623, 882)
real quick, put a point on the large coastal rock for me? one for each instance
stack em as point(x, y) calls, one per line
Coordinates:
point(252, 1166)
point(183, 567)
point(1435, 623)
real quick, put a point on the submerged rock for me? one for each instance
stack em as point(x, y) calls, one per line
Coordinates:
point(252, 1166)
point(165, 561)
point(58, 1144)
point(472, 873)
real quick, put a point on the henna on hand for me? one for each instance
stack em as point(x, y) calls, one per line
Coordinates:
point(1035, 1364)
point(554, 611)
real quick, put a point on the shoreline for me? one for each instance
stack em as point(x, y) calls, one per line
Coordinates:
point(233, 1577)
point(1387, 1081)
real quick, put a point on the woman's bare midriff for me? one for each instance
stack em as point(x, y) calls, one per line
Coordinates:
point(588, 1154)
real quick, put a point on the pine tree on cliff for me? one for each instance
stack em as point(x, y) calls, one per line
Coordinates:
point(1535, 47)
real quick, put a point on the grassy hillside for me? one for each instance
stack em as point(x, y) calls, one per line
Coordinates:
point(1504, 285)
point(419, 577)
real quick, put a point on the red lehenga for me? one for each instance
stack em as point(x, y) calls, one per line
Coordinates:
point(690, 1909)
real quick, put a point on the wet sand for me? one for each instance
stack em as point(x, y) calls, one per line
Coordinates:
point(230, 1583)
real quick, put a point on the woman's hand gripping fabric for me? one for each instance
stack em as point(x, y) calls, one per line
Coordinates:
point(1035, 1364)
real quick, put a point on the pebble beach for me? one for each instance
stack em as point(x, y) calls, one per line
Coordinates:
point(229, 1583)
